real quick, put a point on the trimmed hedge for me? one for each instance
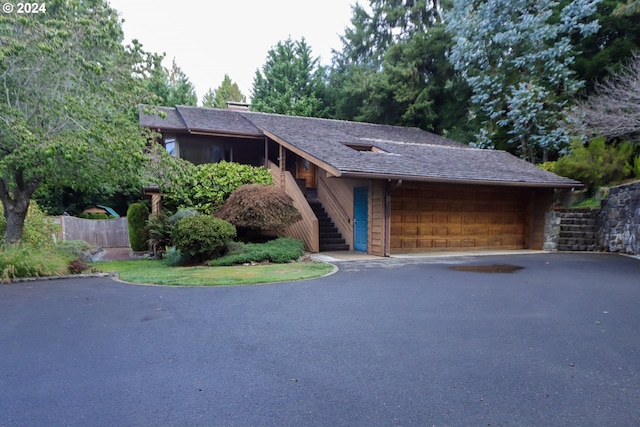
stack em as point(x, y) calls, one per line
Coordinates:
point(137, 217)
point(202, 237)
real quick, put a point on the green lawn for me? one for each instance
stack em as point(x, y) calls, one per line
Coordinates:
point(157, 273)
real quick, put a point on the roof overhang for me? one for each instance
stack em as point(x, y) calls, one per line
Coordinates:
point(529, 184)
point(327, 167)
point(205, 132)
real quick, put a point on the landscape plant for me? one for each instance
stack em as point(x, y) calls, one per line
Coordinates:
point(39, 230)
point(280, 250)
point(259, 207)
point(159, 228)
point(202, 237)
point(596, 163)
point(137, 217)
point(20, 260)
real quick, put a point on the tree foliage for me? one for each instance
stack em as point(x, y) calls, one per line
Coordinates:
point(228, 91)
point(608, 49)
point(262, 207)
point(596, 163)
point(67, 110)
point(393, 69)
point(516, 57)
point(170, 85)
point(291, 82)
point(614, 109)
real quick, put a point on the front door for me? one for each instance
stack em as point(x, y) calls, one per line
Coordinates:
point(360, 218)
point(307, 171)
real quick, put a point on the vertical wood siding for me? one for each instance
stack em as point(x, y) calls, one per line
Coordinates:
point(306, 229)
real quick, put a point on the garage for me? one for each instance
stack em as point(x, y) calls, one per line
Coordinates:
point(439, 217)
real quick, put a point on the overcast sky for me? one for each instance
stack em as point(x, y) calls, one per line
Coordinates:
point(211, 38)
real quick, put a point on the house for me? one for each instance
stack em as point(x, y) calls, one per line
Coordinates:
point(384, 189)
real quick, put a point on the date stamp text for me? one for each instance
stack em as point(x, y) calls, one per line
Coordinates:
point(23, 8)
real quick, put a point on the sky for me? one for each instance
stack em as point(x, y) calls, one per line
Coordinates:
point(211, 38)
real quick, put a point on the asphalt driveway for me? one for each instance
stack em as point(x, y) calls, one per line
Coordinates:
point(387, 342)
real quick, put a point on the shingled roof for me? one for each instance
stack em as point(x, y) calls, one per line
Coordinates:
point(366, 150)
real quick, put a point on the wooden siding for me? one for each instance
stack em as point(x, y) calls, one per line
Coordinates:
point(336, 196)
point(306, 229)
point(542, 204)
point(105, 233)
point(428, 217)
point(376, 218)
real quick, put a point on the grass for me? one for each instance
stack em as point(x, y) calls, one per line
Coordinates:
point(157, 273)
point(590, 203)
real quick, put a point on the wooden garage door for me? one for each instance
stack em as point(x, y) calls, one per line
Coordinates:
point(428, 217)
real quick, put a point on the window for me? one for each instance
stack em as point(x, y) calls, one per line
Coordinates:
point(171, 146)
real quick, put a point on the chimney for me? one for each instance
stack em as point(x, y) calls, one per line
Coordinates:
point(238, 106)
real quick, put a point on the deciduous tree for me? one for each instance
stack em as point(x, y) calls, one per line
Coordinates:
point(68, 115)
point(614, 109)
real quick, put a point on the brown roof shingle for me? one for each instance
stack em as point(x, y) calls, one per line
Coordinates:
point(408, 153)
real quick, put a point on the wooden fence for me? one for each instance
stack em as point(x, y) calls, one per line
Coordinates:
point(106, 233)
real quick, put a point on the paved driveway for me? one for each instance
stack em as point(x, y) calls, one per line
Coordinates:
point(389, 342)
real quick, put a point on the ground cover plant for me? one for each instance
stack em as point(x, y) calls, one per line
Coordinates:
point(158, 273)
point(281, 250)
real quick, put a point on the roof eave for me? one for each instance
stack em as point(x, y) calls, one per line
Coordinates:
point(575, 184)
point(212, 132)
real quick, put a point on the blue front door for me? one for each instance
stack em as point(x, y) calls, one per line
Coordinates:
point(360, 218)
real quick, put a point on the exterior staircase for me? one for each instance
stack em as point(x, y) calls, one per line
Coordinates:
point(330, 237)
point(578, 231)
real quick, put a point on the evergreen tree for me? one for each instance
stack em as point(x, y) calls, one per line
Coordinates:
point(228, 91)
point(171, 86)
point(291, 82)
point(608, 49)
point(517, 61)
point(393, 69)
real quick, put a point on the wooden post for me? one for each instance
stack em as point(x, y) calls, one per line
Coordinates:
point(283, 165)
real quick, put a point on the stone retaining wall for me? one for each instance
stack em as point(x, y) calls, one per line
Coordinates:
point(619, 219)
point(617, 224)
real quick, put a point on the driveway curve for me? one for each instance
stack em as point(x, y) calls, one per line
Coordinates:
point(406, 342)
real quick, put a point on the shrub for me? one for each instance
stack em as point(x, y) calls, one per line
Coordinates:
point(38, 227)
point(181, 214)
point(72, 249)
point(160, 226)
point(26, 261)
point(597, 163)
point(259, 207)
point(210, 184)
point(281, 250)
point(137, 216)
point(77, 266)
point(174, 257)
point(202, 237)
